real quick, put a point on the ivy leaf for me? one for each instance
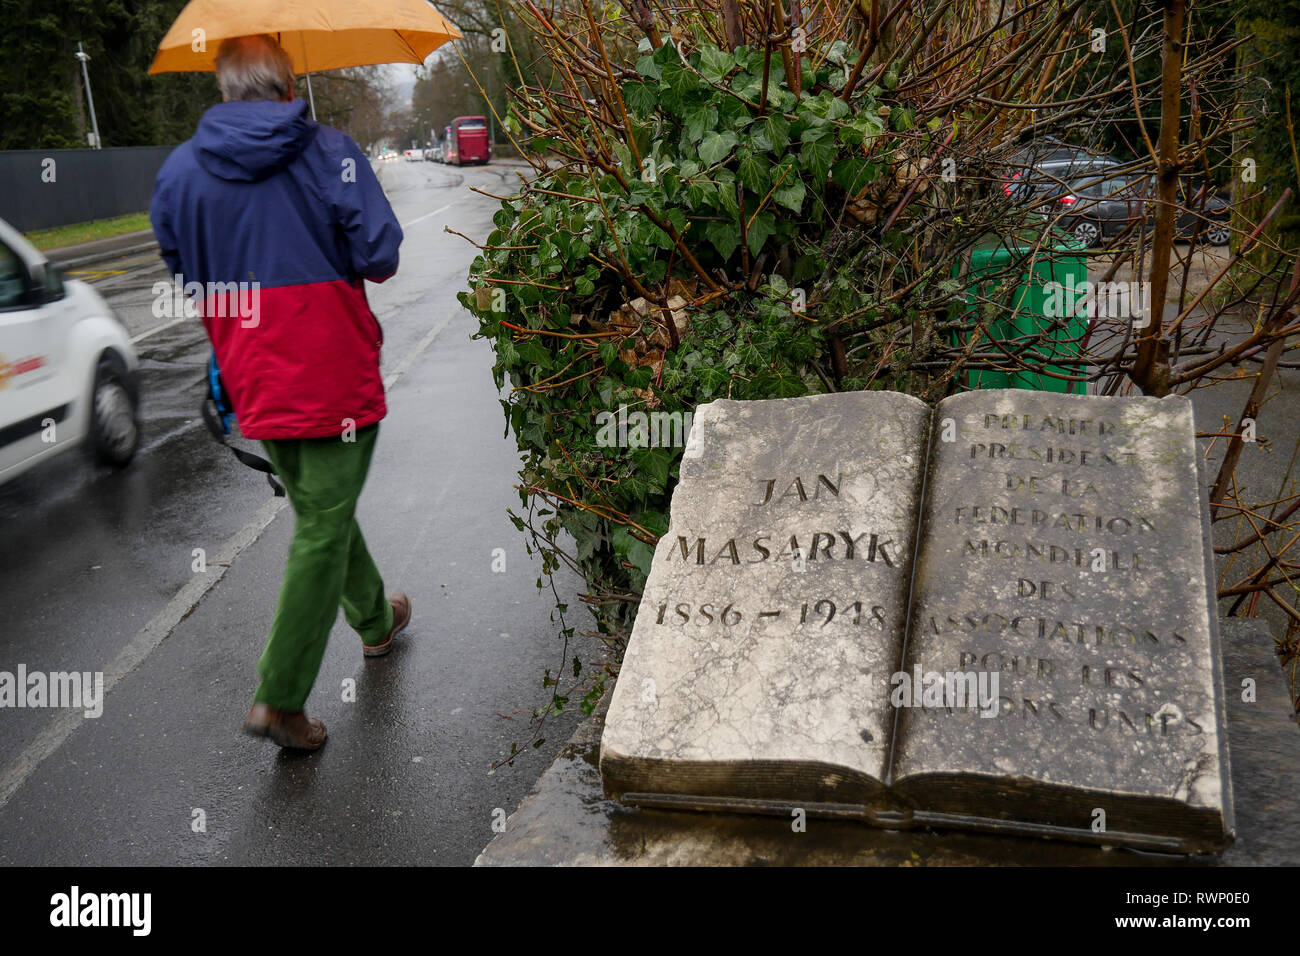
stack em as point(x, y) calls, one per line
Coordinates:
point(772, 133)
point(764, 225)
point(753, 173)
point(828, 106)
point(535, 353)
point(698, 121)
point(667, 54)
point(655, 522)
point(750, 355)
point(716, 64)
point(678, 78)
point(712, 378)
point(790, 194)
point(639, 555)
point(788, 386)
point(640, 98)
point(816, 157)
point(647, 66)
point(748, 85)
point(861, 130)
point(507, 354)
point(699, 194)
point(726, 181)
point(656, 463)
point(725, 237)
point(677, 218)
point(838, 109)
point(639, 377)
point(853, 174)
point(715, 147)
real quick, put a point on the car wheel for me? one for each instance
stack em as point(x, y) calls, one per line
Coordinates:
point(1088, 233)
point(1218, 234)
point(114, 426)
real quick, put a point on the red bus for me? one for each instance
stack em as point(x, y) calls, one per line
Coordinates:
point(468, 141)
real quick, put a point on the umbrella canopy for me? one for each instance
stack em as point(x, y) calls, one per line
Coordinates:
point(317, 34)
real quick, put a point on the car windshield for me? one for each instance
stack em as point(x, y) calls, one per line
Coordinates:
point(1100, 186)
point(473, 124)
point(12, 275)
point(1054, 178)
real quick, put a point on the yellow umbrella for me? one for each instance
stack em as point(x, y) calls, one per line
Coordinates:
point(317, 34)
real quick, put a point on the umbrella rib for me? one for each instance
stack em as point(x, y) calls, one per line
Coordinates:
point(407, 44)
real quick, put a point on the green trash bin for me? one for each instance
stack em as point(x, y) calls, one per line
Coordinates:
point(1029, 308)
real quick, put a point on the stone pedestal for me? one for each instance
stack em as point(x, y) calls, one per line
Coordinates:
point(567, 820)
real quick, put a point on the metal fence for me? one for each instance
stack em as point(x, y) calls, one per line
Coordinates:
point(43, 188)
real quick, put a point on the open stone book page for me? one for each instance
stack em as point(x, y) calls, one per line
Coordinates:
point(758, 668)
point(1064, 550)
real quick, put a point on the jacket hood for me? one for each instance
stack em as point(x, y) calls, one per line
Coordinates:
point(247, 141)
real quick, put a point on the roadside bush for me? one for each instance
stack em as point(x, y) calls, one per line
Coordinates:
point(683, 273)
point(751, 201)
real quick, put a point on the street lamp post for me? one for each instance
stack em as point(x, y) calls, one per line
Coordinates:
point(492, 126)
point(493, 62)
point(84, 57)
point(491, 117)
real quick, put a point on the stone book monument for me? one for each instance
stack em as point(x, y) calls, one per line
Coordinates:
point(995, 615)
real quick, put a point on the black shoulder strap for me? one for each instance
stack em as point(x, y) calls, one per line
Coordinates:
point(256, 462)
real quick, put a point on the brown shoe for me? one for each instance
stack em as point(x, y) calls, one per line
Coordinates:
point(291, 731)
point(401, 617)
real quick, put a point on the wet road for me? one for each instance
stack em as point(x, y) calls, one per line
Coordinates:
point(96, 573)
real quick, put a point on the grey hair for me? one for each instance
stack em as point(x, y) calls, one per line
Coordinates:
point(254, 67)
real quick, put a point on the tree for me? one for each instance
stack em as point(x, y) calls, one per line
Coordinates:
point(43, 103)
point(355, 100)
point(43, 100)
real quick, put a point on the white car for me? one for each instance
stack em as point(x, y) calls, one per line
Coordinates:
point(68, 371)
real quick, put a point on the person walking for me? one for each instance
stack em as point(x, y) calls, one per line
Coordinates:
point(280, 219)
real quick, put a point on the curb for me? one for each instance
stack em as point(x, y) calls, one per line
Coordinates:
point(74, 257)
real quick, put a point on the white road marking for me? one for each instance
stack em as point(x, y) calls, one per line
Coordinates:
point(53, 735)
point(155, 330)
point(416, 352)
point(408, 225)
point(56, 733)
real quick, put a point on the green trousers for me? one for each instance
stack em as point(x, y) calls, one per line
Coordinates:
point(328, 564)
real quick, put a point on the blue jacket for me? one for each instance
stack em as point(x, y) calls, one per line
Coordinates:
point(266, 197)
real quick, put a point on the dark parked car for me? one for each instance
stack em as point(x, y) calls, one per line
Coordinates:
point(1203, 210)
point(1097, 206)
point(1100, 205)
point(1088, 194)
point(1045, 166)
